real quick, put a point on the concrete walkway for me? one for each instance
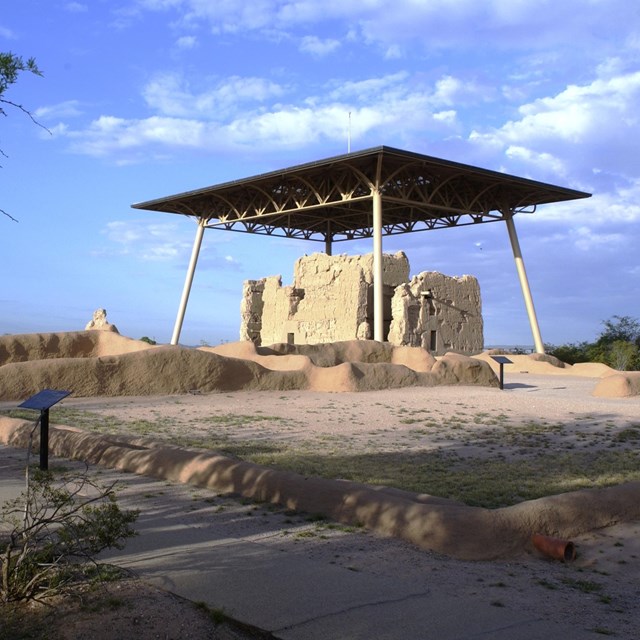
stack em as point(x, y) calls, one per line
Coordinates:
point(257, 565)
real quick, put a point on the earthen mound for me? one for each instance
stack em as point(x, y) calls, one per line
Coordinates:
point(246, 350)
point(334, 353)
point(592, 369)
point(619, 385)
point(542, 363)
point(470, 533)
point(552, 360)
point(454, 368)
point(72, 344)
point(164, 370)
point(97, 363)
point(288, 357)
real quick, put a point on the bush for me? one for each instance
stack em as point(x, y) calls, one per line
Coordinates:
point(617, 346)
point(54, 528)
point(624, 356)
point(570, 353)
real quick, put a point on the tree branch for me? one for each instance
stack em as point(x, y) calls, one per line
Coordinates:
point(8, 215)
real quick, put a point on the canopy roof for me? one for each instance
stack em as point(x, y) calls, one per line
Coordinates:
point(331, 200)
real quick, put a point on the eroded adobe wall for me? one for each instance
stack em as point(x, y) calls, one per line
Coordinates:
point(330, 299)
point(251, 309)
point(440, 313)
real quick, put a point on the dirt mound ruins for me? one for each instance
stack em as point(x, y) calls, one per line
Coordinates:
point(96, 363)
point(72, 344)
point(619, 385)
point(470, 533)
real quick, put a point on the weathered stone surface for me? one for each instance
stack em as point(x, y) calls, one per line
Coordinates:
point(454, 368)
point(439, 313)
point(99, 322)
point(331, 300)
point(251, 309)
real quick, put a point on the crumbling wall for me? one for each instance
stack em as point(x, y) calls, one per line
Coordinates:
point(440, 313)
point(330, 299)
point(251, 309)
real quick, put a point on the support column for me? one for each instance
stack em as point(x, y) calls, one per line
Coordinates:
point(378, 289)
point(197, 243)
point(524, 284)
point(327, 239)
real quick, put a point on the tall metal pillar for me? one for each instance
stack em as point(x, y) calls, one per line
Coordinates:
point(378, 289)
point(197, 243)
point(327, 239)
point(524, 284)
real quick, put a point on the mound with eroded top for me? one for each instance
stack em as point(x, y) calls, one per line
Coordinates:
point(103, 363)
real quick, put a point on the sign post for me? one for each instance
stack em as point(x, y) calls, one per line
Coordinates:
point(501, 360)
point(42, 402)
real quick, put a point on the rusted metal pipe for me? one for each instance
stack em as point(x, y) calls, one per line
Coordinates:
point(555, 548)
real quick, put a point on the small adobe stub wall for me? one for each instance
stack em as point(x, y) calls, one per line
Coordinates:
point(331, 300)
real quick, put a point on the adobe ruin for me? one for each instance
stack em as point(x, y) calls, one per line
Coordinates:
point(331, 299)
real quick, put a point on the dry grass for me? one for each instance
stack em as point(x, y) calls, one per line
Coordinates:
point(481, 458)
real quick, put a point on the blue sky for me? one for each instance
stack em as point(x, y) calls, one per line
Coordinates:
point(146, 98)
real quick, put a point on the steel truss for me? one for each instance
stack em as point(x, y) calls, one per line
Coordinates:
point(332, 200)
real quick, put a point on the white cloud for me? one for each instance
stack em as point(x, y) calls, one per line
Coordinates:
point(186, 42)
point(68, 109)
point(452, 91)
point(160, 242)
point(244, 112)
point(318, 47)
point(171, 95)
point(169, 243)
point(448, 117)
point(370, 88)
point(76, 7)
point(7, 33)
point(437, 23)
point(580, 130)
point(393, 52)
point(543, 160)
point(618, 206)
point(587, 239)
point(122, 232)
point(578, 111)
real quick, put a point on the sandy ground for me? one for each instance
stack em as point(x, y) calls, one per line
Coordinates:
point(309, 413)
point(600, 590)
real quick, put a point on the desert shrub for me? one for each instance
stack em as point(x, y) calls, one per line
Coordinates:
point(570, 353)
point(618, 346)
point(624, 355)
point(50, 532)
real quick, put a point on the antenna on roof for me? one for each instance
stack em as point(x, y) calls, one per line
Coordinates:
point(349, 135)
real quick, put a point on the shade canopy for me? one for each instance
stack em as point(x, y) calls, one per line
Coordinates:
point(330, 200)
point(365, 194)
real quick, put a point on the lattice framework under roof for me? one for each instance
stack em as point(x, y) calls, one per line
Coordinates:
point(330, 200)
